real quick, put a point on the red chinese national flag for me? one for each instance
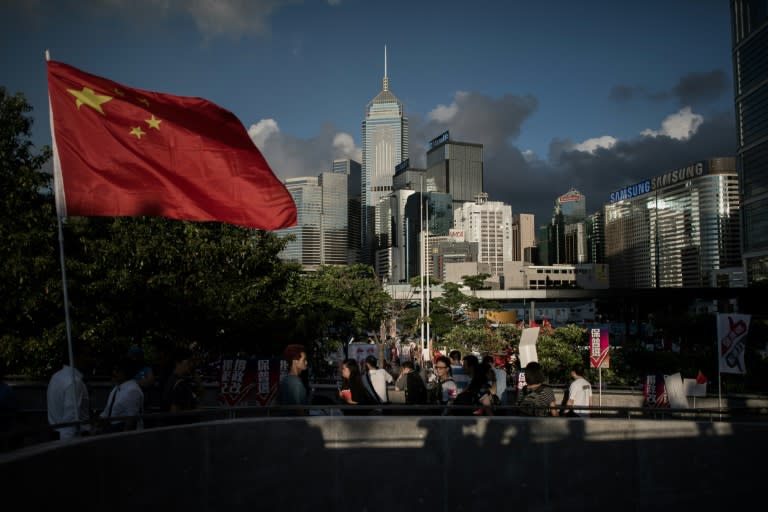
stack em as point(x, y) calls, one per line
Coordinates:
point(124, 152)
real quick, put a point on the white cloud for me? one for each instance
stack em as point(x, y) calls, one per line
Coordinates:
point(681, 125)
point(344, 147)
point(261, 131)
point(445, 114)
point(591, 145)
point(290, 156)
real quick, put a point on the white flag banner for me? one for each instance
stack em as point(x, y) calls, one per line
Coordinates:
point(731, 341)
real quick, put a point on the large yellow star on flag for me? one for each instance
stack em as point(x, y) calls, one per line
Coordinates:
point(153, 122)
point(88, 97)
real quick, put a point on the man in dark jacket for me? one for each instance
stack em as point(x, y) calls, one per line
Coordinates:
point(415, 390)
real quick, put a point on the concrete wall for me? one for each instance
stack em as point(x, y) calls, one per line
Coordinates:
point(398, 464)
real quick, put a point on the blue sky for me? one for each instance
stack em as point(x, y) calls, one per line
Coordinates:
point(594, 95)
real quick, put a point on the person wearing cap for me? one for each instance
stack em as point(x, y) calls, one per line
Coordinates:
point(145, 376)
point(536, 398)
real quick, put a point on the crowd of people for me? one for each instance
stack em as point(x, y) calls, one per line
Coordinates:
point(68, 398)
point(464, 385)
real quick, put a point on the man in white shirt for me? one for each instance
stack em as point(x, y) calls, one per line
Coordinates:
point(68, 400)
point(377, 379)
point(126, 400)
point(580, 392)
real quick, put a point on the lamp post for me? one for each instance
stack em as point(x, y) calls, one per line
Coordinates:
point(525, 287)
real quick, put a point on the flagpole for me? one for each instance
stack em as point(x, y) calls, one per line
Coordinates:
point(426, 273)
point(421, 264)
point(67, 322)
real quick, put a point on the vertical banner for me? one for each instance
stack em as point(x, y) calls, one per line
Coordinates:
point(527, 346)
point(655, 391)
point(731, 341)
point(255, 379)
point(598, 348)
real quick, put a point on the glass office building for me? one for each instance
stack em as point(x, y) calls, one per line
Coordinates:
point(675, 230)
point(456, 168)
point(385, 145)
point(749, 29)
point(320, 236)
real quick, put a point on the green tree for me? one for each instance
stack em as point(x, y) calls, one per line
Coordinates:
point(158, 283)
point(31, 318)
point(476, 282)
point(343, 300)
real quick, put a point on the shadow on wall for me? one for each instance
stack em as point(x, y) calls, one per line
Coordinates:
point(403, 463)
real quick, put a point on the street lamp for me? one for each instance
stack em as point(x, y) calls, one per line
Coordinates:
point(525, 287)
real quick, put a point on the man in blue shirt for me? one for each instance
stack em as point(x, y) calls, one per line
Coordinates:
point(458, 374)
point(292, 390)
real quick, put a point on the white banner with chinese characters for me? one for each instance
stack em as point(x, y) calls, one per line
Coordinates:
point(732, 332)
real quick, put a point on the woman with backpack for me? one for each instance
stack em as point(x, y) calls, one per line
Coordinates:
point(536, 398)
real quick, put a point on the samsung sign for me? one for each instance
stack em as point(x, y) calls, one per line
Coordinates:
point(671, 178)
point(438, 140)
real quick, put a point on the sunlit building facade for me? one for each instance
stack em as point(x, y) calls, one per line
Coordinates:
point(675, 230)
point(320, 236)
point(489, 223)
point(385, 145)
point(351, 169)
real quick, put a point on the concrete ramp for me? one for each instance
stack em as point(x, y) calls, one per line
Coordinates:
point(398, 464)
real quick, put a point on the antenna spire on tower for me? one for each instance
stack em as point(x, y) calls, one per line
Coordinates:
point(386, 80)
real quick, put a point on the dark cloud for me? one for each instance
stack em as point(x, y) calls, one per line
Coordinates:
point(693, 89)
point(626, 93)
point(472, 117)
point(533, 186)
point(230, 19)
point(700, 88)
point(623, 93)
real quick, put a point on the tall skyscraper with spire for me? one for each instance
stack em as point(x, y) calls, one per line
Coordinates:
point(385, 145)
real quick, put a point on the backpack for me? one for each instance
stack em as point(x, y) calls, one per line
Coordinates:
point(530, 403)
point(415, 390)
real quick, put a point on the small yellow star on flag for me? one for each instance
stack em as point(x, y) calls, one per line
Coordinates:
point(88, 97)
point(138, 132)
point(145, 101)
point(153, 122)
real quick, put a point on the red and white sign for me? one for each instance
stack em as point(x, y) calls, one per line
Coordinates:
point(456, 235)
point(598, 348)
point(253, 379)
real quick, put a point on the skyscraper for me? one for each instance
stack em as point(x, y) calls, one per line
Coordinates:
point(749, 24)
point(675, 230)
point(321, 232)
point(352, 169)
point(385, 145)
point(523, 237)
point(456, 168)
point(489, 223)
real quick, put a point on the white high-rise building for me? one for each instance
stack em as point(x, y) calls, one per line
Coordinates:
point(489, 223)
